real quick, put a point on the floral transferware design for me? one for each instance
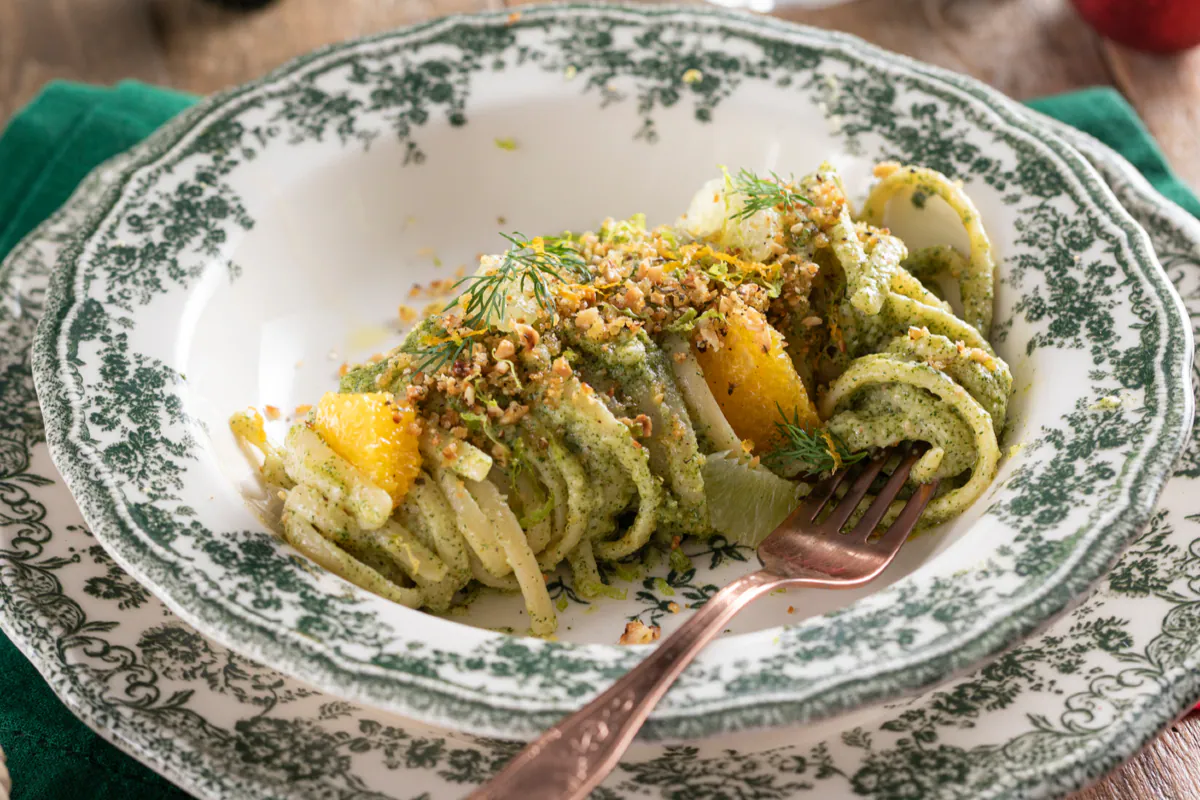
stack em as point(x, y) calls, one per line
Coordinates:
point(1048, 716)
point(1083, 279)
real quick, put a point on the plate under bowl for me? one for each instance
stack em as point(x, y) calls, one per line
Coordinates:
point(269, 234)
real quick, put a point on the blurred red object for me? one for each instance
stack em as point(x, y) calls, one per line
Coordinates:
point(1157, 26)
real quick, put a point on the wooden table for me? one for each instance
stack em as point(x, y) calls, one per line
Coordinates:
point(1025, 48)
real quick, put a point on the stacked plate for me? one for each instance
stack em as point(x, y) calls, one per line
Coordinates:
point(260, 239)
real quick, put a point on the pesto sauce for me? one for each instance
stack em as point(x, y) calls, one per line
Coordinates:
point(885, 415)
point(638, 374)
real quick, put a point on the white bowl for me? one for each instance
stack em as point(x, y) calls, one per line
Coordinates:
point(283, 222)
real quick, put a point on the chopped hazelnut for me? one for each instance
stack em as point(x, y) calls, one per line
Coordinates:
point(587, 318)
point(643, 422)
point(529, 337)
point(635, 298)
point(513, 413)
point(636, 632)
point(506, 349)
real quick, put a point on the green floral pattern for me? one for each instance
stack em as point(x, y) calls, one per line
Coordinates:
point(1046, 717)
point(1084, 280)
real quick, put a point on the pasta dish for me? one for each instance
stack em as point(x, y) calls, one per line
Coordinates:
point(592, 398)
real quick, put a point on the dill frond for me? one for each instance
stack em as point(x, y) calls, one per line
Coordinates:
point(763, 193)
point(527, 266)
point(430, 358)
point(816, 453)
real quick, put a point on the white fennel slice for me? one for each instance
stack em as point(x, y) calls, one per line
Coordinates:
point(746, 503)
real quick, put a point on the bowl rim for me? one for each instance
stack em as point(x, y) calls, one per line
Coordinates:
point(85, 696)
point(443, 704)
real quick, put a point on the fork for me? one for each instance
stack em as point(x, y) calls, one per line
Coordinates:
point(573, 757)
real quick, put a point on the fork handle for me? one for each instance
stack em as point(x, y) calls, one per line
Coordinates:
point(574, 756)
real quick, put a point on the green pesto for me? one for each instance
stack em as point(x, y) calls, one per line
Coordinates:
point(425, 509)
point(938, 404)
point(612, 492)
point(988, 381)
point(875, 276)
point(383, 376)
point(931, 262)
point(321, 467)
point(601, 437)
point(883, 416)
point(362, 378)
point(976, 275)
point(573, 500)
point(638, 369)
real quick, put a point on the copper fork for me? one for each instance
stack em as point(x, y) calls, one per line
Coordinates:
point(571, 759)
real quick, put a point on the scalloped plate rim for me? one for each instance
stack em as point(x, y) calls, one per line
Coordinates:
point(144, 754)
point(726, 714)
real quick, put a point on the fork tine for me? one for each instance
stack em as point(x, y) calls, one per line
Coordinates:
point(879, 506)
point(807, 511)
point(849, 501)
point(898, 531)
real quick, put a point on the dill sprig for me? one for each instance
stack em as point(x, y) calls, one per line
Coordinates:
point(762, 193)
point(432, 357)
point(527, 266)
point(817, 453)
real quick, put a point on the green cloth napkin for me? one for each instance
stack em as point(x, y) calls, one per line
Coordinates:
point(46, 150)
point(1104, 114)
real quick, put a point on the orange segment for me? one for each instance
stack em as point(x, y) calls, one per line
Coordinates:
point(374, 432)
point(752, 378)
